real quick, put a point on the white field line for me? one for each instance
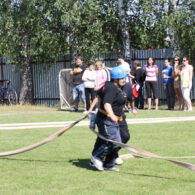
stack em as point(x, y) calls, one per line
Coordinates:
point(18, 126)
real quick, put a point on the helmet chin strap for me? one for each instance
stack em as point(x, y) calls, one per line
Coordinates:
point(116, 83)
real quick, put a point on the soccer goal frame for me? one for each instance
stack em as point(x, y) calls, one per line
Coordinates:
point(65, 88)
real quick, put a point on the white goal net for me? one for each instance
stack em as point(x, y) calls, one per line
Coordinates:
point(65, 88)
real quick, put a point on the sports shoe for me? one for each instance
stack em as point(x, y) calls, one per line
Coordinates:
point(85, 110)
point(118, 161)
point(75, 110)
point(130, 110)
point(126, 108)
point(97, 163)
point(112, 169)
point(91, 164)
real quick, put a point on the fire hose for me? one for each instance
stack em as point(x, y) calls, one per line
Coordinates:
point(44, 141)
point(137, 150)
point(125, 146)
point(145, 153)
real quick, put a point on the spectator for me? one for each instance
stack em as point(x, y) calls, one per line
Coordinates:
point(139, 77)
point(186, 75)
point(177, 83)
point(78, 87)
point(125, 67)
point(89, 77)
point(151, 71)
point(101, 75)
point(168, 84)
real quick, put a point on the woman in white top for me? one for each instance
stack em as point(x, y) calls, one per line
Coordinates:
point(89, 77)
point(124, 65)
point(186, 76)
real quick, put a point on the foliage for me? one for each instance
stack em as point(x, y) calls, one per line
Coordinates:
point(184, 27)
point(91, 22)
point(23, 22)
point(49, 24)
point(40, 30)
point(149, 24)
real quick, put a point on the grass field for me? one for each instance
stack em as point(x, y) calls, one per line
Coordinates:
point(61, 166)
point(24, 114)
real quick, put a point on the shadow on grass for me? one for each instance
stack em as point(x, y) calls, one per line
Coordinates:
point(156, 176)
point(33, 160)
point(160, 177)
point(83, 163)
point(71, 110)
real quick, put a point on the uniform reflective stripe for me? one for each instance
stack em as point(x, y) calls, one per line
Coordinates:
point(105, 148)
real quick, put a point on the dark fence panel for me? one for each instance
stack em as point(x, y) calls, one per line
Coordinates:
point(8, 72)
point(46, 81)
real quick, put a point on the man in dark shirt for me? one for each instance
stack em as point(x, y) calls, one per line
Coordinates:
point(78, 87)
point(139, 78)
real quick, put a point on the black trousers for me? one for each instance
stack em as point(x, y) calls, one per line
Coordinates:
point(124, 131)
point(139, 101)
point(151, 87)
point(125, 137)
point(89, 95)
point(170, 94)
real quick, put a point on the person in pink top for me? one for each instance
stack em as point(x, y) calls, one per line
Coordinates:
point(151, 71)
point(101, 75)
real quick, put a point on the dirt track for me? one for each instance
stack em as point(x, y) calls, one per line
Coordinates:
point(20, 126)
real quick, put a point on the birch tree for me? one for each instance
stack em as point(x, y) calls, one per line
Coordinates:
point(122, 5)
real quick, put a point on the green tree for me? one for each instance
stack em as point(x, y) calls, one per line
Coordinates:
point(87, 27)
point(36, 31)
point(25, 38)
point(151, 21)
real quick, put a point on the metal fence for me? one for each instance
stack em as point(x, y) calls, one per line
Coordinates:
point(45, 76)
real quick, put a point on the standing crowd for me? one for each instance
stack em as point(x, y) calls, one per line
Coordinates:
point(177, 82)
point(110, 90)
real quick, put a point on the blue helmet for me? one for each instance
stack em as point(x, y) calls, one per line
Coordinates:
point(117, 73)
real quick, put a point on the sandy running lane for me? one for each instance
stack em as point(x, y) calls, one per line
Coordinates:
point(20, 126)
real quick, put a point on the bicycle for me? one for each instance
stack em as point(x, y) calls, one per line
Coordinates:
point(7, 94)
